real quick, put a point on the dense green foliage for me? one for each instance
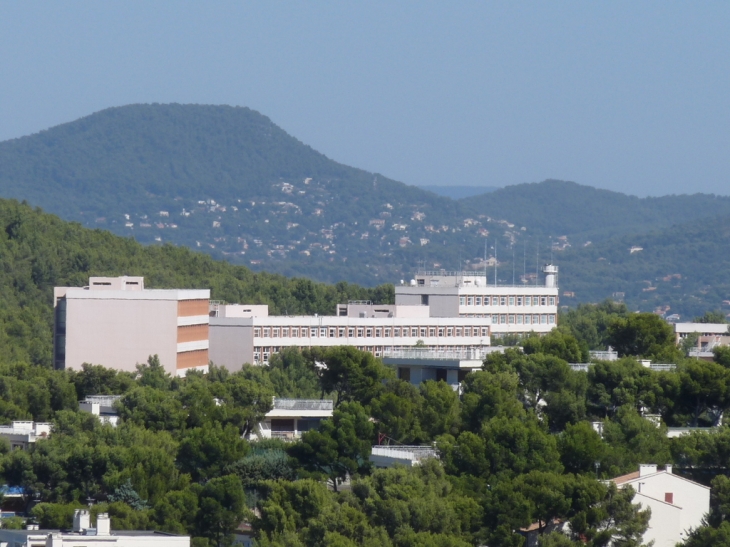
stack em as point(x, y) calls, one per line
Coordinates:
point(516, 447)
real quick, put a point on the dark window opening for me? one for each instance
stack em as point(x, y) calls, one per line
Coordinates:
point(282, 425)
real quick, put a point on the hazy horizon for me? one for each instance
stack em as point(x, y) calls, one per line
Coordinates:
point(622, 96)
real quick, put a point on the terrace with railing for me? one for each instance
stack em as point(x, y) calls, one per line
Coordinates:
point(414, 454)
point(102, 400)
point(429, 353)
point(303, 404)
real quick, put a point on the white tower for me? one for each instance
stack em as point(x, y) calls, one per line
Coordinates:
point(551, 275)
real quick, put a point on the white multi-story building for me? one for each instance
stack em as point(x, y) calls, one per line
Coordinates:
point(511, 309)
point(247, 334)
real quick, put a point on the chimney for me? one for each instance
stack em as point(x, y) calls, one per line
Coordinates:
point(103, 524)
point(646, 469)
point(668, 469)
point(82, 520)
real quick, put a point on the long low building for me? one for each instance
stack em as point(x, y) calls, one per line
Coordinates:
point(247, 334)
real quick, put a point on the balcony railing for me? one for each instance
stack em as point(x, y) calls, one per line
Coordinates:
point(103, 400)
point(414, 453)
point(428, 353)
point(303, 404)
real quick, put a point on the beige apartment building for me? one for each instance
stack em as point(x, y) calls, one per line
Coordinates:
point(117, 323)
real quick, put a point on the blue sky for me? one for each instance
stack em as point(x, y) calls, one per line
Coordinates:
point(628, 96)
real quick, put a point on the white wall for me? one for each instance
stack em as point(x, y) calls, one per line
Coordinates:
point(120, 333)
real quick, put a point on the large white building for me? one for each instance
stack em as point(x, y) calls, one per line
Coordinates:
point(116, 322)
point(511, 309)
point(248, 334)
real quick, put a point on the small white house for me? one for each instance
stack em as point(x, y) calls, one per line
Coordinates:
point(677, 504)
point(22, 434)
point(291, 417)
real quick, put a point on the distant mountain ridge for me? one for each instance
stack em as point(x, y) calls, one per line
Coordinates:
point(228, 181)
point(556, 207)
point(459, 192)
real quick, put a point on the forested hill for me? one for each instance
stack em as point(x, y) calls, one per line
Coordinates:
point(39, 251)
point(558, 208)
point(682, 269)
point(122, 156)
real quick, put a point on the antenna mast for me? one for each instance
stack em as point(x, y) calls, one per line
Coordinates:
point(486, 276)
point(513, 265)
point(495, 262)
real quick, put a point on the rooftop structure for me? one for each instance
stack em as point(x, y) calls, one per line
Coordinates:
point(83, 535)
point(235, 339)
point(102, 406)
point(512, 309)
point(20, 434)
point(416, 365)
point(289, 418)
point(116, 322)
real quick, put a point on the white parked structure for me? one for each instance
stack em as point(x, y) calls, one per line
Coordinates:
point(291, 417)
point(248, 334)
point(21, 434)
point(83, 535)
point(388, 456)
point(118, 323)
point(677, 504)
point(512, 309)
point(102, 406)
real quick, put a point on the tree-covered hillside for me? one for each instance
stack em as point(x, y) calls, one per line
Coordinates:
point(39, 251)
point(557, 208)
point(682, 269)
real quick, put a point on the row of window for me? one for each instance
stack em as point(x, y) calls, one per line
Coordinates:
point(507, 300)
point(262, 353)
point(367, 332)
point(526, 319)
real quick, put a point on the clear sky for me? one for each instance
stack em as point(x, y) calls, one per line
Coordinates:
point(629, 96)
